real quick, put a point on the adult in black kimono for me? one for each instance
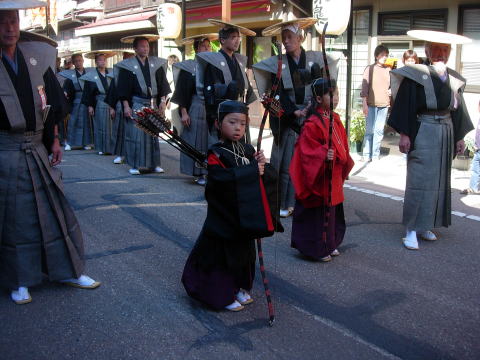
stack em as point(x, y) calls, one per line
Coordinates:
point(430, 115)
point(221, 267)
point(142, 82)
point(80, 125)
point(95, 91)
point(39, 233)
point(191, 107)
point(299, 67)
point(222, 75)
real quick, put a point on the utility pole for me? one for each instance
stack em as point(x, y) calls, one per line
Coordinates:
point(226, 10)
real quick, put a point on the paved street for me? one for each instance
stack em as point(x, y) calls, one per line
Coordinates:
point(375, 301)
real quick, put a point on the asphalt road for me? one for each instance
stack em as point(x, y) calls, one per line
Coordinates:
point(375, 301)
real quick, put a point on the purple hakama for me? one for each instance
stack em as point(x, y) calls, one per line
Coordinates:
point(308, 229)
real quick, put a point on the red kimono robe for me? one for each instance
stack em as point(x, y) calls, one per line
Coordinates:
point(308, 170)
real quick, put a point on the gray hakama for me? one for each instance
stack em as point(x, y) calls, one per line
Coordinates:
point(118, 125)
point(40, 233)
point(427, 203)
point(103, 125)
point(141, 150)
point(197, 135)
point(118, 131)
point(80, 130)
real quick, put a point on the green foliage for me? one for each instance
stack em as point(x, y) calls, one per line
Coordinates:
point(357, 126)
point(215, 45)
point(470, 144)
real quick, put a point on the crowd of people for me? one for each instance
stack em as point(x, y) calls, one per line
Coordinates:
point(310, 157)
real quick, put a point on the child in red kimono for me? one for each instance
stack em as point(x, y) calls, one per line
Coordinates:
point(221, 267)
point(308, 173)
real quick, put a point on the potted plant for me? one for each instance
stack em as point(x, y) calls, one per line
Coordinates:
point(357, 129)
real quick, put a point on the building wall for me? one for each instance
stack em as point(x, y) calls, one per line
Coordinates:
point(472, 96)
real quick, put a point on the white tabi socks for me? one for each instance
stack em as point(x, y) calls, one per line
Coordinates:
point(244, 298)
point(21, 296)
point(410, 240)
point(83, 282)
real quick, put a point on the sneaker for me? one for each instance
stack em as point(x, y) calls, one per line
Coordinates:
point(235, 306)
point(202, 181)
point(83, 282)
point(88, 147)
point(134, 171)
point(159, 170)
point(68, 147)
point(118, 160)
point(244, 298)
point(326, 258)
point(335, 252)
point(410, 244)
point(428, 235)
point(21, 296)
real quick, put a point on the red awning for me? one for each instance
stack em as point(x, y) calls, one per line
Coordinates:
point(121, 19)
point(238, 8)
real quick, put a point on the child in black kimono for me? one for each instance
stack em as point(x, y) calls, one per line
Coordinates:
point(221, 267)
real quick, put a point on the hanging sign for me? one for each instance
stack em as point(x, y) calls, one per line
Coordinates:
point(169, 20)
point(335, 12)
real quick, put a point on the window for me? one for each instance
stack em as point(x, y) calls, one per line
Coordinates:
point(469, 26)
point(398, 23)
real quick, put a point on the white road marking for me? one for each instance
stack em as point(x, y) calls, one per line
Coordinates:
point(399, 198)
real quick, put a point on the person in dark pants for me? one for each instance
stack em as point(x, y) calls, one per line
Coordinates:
point(39, 233)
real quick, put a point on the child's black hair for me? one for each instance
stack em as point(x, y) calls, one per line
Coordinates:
point(319, 88)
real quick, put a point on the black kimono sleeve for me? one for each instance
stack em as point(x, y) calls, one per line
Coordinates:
point(90, 90)
point(462, 124)
point(163, 87)
point(69, 89)
point(184, 90)
point(58, 107)
point(403, 116)
point(125, 84)
point(112, 97)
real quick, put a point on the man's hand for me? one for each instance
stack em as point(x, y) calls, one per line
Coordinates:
point(162, 107)
point(127, 112)
point(91, 111)
point(365, 107)
point(300, 113)
point(56, 152)
point(112, 113)
point(460, 147)
point(186, 121)
point(404, 144)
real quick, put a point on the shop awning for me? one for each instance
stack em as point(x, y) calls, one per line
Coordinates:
point(144, 20)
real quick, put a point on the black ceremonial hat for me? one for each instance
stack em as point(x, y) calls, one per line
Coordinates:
point(231, 106)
